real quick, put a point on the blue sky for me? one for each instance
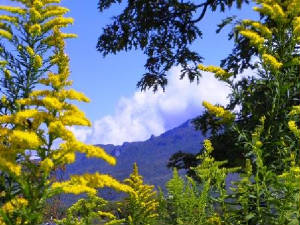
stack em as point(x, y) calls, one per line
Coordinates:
point(118, 110)
point(104, 80)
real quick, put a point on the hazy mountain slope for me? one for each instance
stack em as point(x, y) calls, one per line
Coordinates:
point(151, 155)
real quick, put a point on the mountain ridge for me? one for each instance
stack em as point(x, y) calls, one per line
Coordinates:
point(151, 155)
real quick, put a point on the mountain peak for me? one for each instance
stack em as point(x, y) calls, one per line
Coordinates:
point(151, 155)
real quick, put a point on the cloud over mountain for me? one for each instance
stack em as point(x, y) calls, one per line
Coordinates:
point(137, 117)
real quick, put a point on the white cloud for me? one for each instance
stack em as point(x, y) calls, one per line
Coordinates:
point(81, 133)
point(137, 117)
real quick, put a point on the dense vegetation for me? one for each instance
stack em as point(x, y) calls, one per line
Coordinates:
point(36, 111)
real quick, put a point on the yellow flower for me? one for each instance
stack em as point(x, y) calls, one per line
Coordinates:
point(57, 129)
point(73, 95)
point(46, 165)
point(25, 140)
point(9, 166)
point(35, 15)
point(106, 214)
point(219, 72)
point(3, 63)
point(54, 10)
point(215, 220)
point(30, 51)
point(293, 127)
point(6, 34)
point(52, 103)
point(3, 100)
point(295, 110)
point(208, 146)
point(58, 22)
point(11, 19)
point(273, 10)
point(35, 30)
point(220, 112)
point(70, 119)
point(89, 150)
point(258, 144)
point(265, 31)
point(50, 1)
point(254, 37)
point(14, 204)
point(89, 183)
point(7, 74)
point(37, 62)
point(38, 4)
point(296, 25)
point(21, 116)
point(271, 61)
point(11, 9)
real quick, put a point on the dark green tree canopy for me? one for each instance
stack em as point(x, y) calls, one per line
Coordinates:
point(164, 31)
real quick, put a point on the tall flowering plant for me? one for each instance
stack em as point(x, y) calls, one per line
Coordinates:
point(36, 120)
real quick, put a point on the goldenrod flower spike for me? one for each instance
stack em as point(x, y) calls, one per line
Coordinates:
point(6, 34)
point(218, 71)
point(225, 115)
point(271, 61)
point(11, 9)
point(262, 29)
point(141, 203)
point(43, 117)
point(255, 39)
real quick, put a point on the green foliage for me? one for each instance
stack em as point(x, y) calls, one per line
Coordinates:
point(266, 91)
point(163, 30)
point(87, 212)
point(190, 202)
point(266, 130)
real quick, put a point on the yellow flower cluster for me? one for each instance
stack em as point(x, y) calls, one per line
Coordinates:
point(214, 220)
point(262, 29)
point(293, 127)
point(46, 115)
point(219, 72)
point(271, 61)
point(24, 139)
point(90, 183)
point(296, 25)
point(220, 112)
point(6, 34)
point(10, 19)
point(295, 110)
point(271, 9)
point(11, 9)
point(9, 165)
point(57, 22)
point(16, 203)
point(54, 10)
point(141, 201)
point(9, 208)
point(208, 146)
point(47, 165)
point(37, 59)
point(255, 39)
point(280, 12)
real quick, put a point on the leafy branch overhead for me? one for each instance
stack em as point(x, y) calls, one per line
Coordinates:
point(163, 30)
